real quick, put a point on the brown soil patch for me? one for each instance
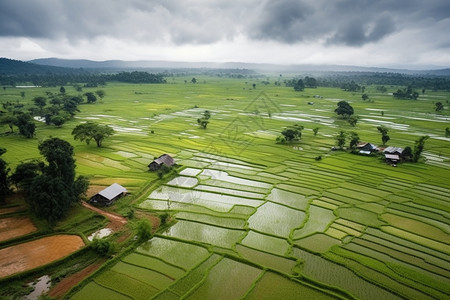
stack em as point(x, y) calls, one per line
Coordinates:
point(8, 210)
point(14, 227)
point(67, 283)
point(116, 221)
point(29, 255)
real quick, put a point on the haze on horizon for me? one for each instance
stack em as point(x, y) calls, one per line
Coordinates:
point(382, 33)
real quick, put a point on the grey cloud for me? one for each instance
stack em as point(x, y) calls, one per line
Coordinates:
point(343, 22)
point(358, 31)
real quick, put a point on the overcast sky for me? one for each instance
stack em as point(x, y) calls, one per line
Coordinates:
point(345, 32)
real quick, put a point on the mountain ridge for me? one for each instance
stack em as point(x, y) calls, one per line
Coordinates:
point(160, 64)
point(83, 66)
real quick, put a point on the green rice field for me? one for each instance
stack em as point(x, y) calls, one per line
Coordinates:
point(254, 219)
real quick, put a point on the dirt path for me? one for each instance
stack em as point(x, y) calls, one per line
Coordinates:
point(116, 221)
point(67, 283)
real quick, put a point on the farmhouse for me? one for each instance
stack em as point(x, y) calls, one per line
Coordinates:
point(109, 195)
point(393, 150)
point(392, 154)
point(366, 148)
point(164, 159)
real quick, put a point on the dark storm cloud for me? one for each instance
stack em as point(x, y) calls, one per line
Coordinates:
point(341, 22)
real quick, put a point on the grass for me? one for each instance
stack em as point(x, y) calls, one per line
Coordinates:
point(265, 190)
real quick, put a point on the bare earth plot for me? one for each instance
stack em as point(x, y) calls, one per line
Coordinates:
point(27, 256)
point(14, 227)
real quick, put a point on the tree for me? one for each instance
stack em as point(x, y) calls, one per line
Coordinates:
point(340, 139)
point(418, 148)
point(62, 90)
point(10, 120)
point(407, 153)
point(384, 134)
point(354, 139)
point(144, 230)
point(352, 120)
point(204, 120)
point(299, 86)
point(90, 97)
point(4, 179)
point(292, 133)
point(100, 93)
point(26, 125)
point(25, 173)
point(316, 130)
point(439, 106)
point(310, 82)
point(53, 192)
point(344, 109)
point(382, 89)
point(365, 97)
point(57, 120)
point(59, 155)
point(40, 102)
point(91, 130)
point(193, 80)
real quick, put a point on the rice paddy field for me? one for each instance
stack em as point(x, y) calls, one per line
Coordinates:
point(260, 220)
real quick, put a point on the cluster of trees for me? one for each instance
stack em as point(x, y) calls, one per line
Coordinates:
point(203, 121)
point(291, 134)
point(352, 137)
point(342, 79)
point(351, 87)
point(406, 93)
point(51, 188)
point(408, 153)
point(53, 109)
point(299, 84)
point(88, 79)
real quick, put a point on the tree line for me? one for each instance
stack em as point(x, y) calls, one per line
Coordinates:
point(89, 79)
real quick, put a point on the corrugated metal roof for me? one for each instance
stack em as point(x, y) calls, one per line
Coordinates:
point(166, 159)
point(392, 149)
point(392, 156)
point(113, 191)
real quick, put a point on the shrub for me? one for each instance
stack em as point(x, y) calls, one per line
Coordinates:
point(103, 247)
point(144, 230)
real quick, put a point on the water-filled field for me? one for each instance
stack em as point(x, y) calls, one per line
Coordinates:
point(260, 220)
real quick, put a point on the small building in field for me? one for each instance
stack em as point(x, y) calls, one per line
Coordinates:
point(366, 148)
point(164, 159)
point(393, 150)
point(392, 158)
point(109, 195)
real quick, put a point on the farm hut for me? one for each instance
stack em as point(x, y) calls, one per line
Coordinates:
point(109, 195)
point(164, 159)
point(392, 158)
point(366, 148)
point(393, 150)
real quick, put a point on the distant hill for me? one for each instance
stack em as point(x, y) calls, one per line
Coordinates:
point(17, 67)
point(81, 66)
point(118, 65)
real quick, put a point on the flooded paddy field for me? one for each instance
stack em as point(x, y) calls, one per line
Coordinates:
point(254, 219)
